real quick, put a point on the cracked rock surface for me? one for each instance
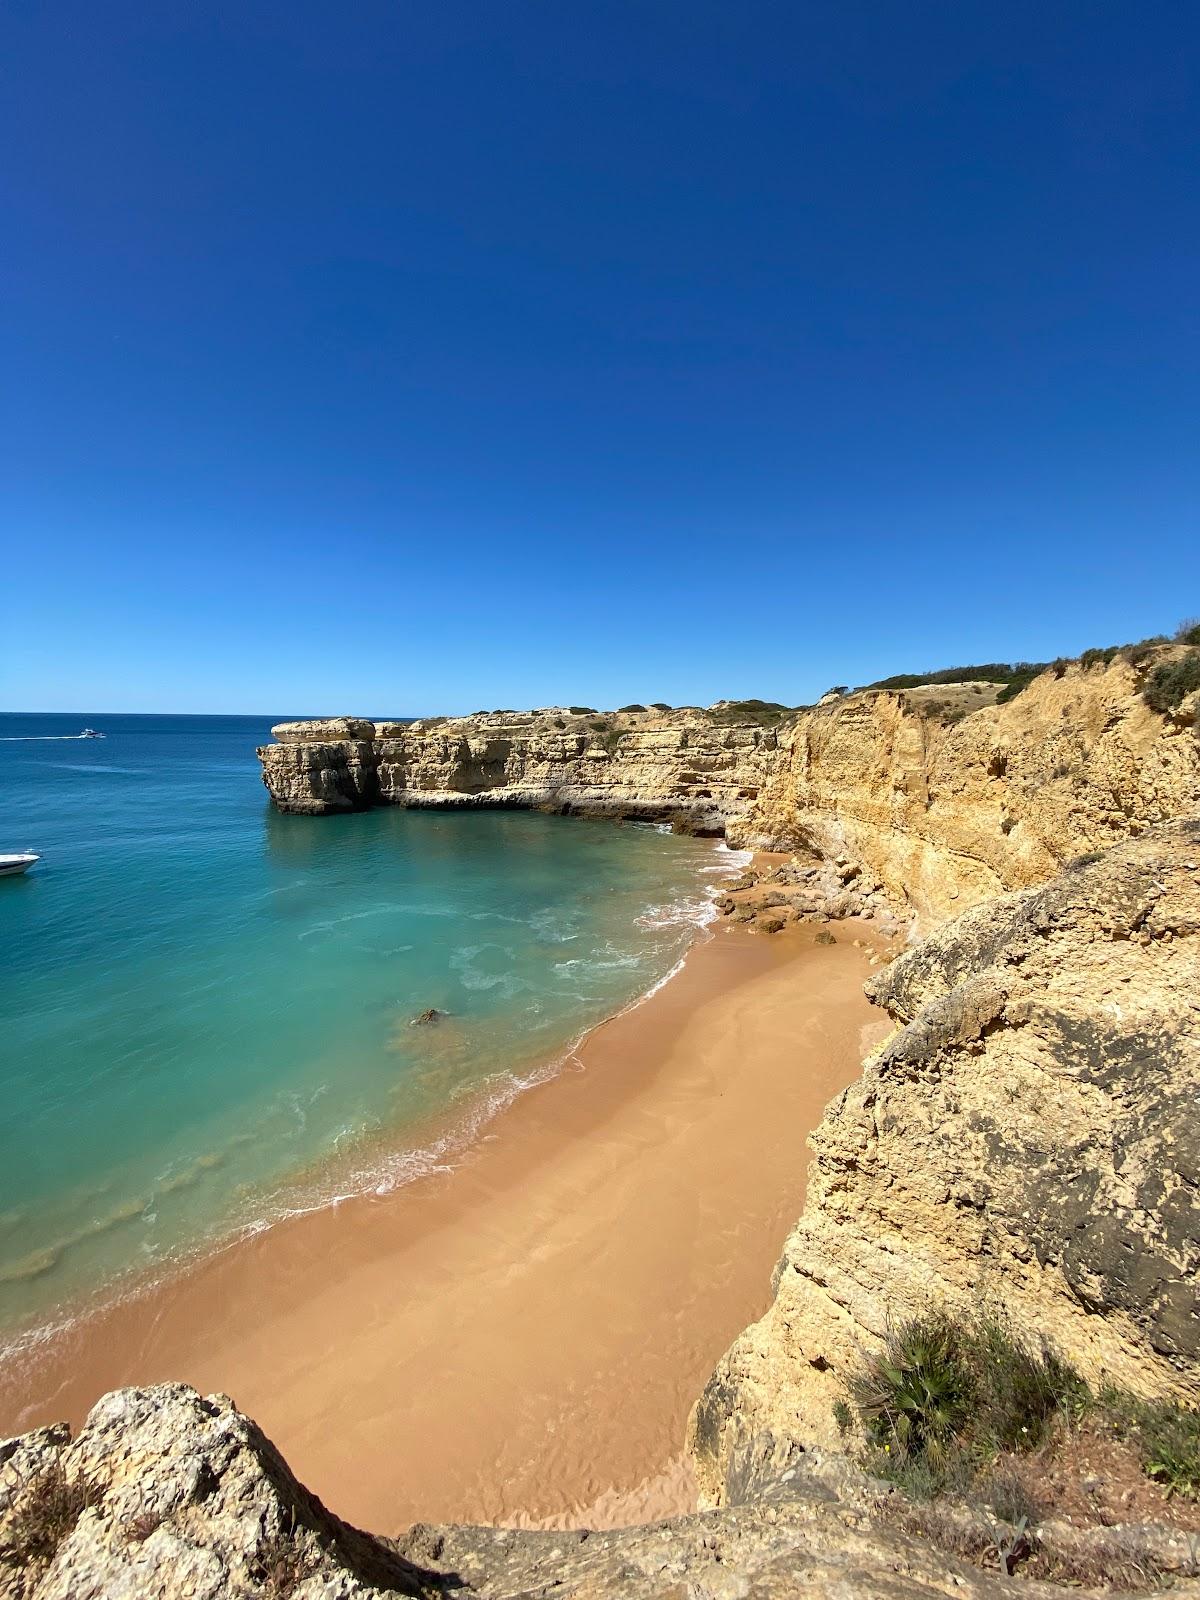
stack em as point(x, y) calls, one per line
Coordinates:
point(187, 1500)
point(1028, 1138)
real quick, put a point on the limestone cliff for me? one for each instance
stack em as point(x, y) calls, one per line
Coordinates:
point(948, 809)
point(166, 1495)
point(943, 802)
point(650, 764)
point(1028, 1137)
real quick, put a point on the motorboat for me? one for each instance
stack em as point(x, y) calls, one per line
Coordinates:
point(90, 733)
point(11, 865)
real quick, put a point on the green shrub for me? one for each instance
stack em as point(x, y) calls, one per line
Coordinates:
point(916, 1397)
point(944, 1398)
point(632, 708)
point(1166, 1436)
point(1188, 631)
point(1137, 653)
point(989, 672)
point(659, 705)
point(1098, 658)
point(764, 713)
point(1168, 684)
point(947, 1403)
point(1023, 675)
point(1171, 1442)
point(582, 711)
point(1020, 1389)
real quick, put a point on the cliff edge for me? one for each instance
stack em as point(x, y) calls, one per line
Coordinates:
point(941, 797)
point(1027, 1139)
point(165, 1493)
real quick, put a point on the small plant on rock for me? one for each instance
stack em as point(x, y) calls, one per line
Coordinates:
point(1167, 1436)
point(45, 1514)
point(1172, 682)
point(944, 1398)
point(914, 1399)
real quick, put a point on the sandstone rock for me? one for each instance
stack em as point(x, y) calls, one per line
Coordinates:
point(185, 1497)
point(679, 767)
point(923, 816)
point(944, 816)
point(1028, 1137)
point(189, 1501)
point(326, 730)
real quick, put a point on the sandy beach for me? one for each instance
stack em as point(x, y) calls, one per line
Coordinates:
point(521, 1339)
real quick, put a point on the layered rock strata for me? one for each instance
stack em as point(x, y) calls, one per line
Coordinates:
point(946, 809)
point(1027, 1139)
point(940, 803)
point(627, 764)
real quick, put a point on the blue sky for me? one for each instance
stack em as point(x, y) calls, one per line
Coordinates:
point(407, 357)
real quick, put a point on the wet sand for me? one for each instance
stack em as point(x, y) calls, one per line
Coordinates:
point(521, 1339)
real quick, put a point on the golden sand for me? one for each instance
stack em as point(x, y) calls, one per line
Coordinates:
point(521, 1339)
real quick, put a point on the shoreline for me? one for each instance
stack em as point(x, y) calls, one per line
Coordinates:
point(387, 1159)
point(519, 1338)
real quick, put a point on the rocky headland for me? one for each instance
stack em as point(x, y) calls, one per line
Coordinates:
point(935, 798)
point(1022, 1146)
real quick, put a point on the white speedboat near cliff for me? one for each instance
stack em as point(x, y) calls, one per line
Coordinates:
point(10, 865)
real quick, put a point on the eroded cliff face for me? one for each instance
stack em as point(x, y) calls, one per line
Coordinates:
point(1028, 1138)
point(946, 813)
point(943, 810)
point(630, 764)
point(168, 1494)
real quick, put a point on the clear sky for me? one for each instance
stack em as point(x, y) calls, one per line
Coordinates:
point(425, 355)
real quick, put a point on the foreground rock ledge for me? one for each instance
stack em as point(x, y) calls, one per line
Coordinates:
point(185, 1497)
point(1028, 1139)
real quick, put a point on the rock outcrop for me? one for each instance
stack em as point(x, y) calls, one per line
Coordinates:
point(948, 810)
point(166, 1495)
point(942, 803)
point(1028, 1138)
point(633, 764)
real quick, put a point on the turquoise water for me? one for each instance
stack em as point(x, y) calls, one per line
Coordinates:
point(205, 1006)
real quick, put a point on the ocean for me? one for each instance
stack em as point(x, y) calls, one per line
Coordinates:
point(206, 1007)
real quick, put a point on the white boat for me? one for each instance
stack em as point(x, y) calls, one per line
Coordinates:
point(90, 733)
point(12, 864)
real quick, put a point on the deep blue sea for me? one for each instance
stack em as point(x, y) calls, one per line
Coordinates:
point(205, 1006)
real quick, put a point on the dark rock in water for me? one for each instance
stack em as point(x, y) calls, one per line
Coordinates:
point(432, 1015)
point(824, 937)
